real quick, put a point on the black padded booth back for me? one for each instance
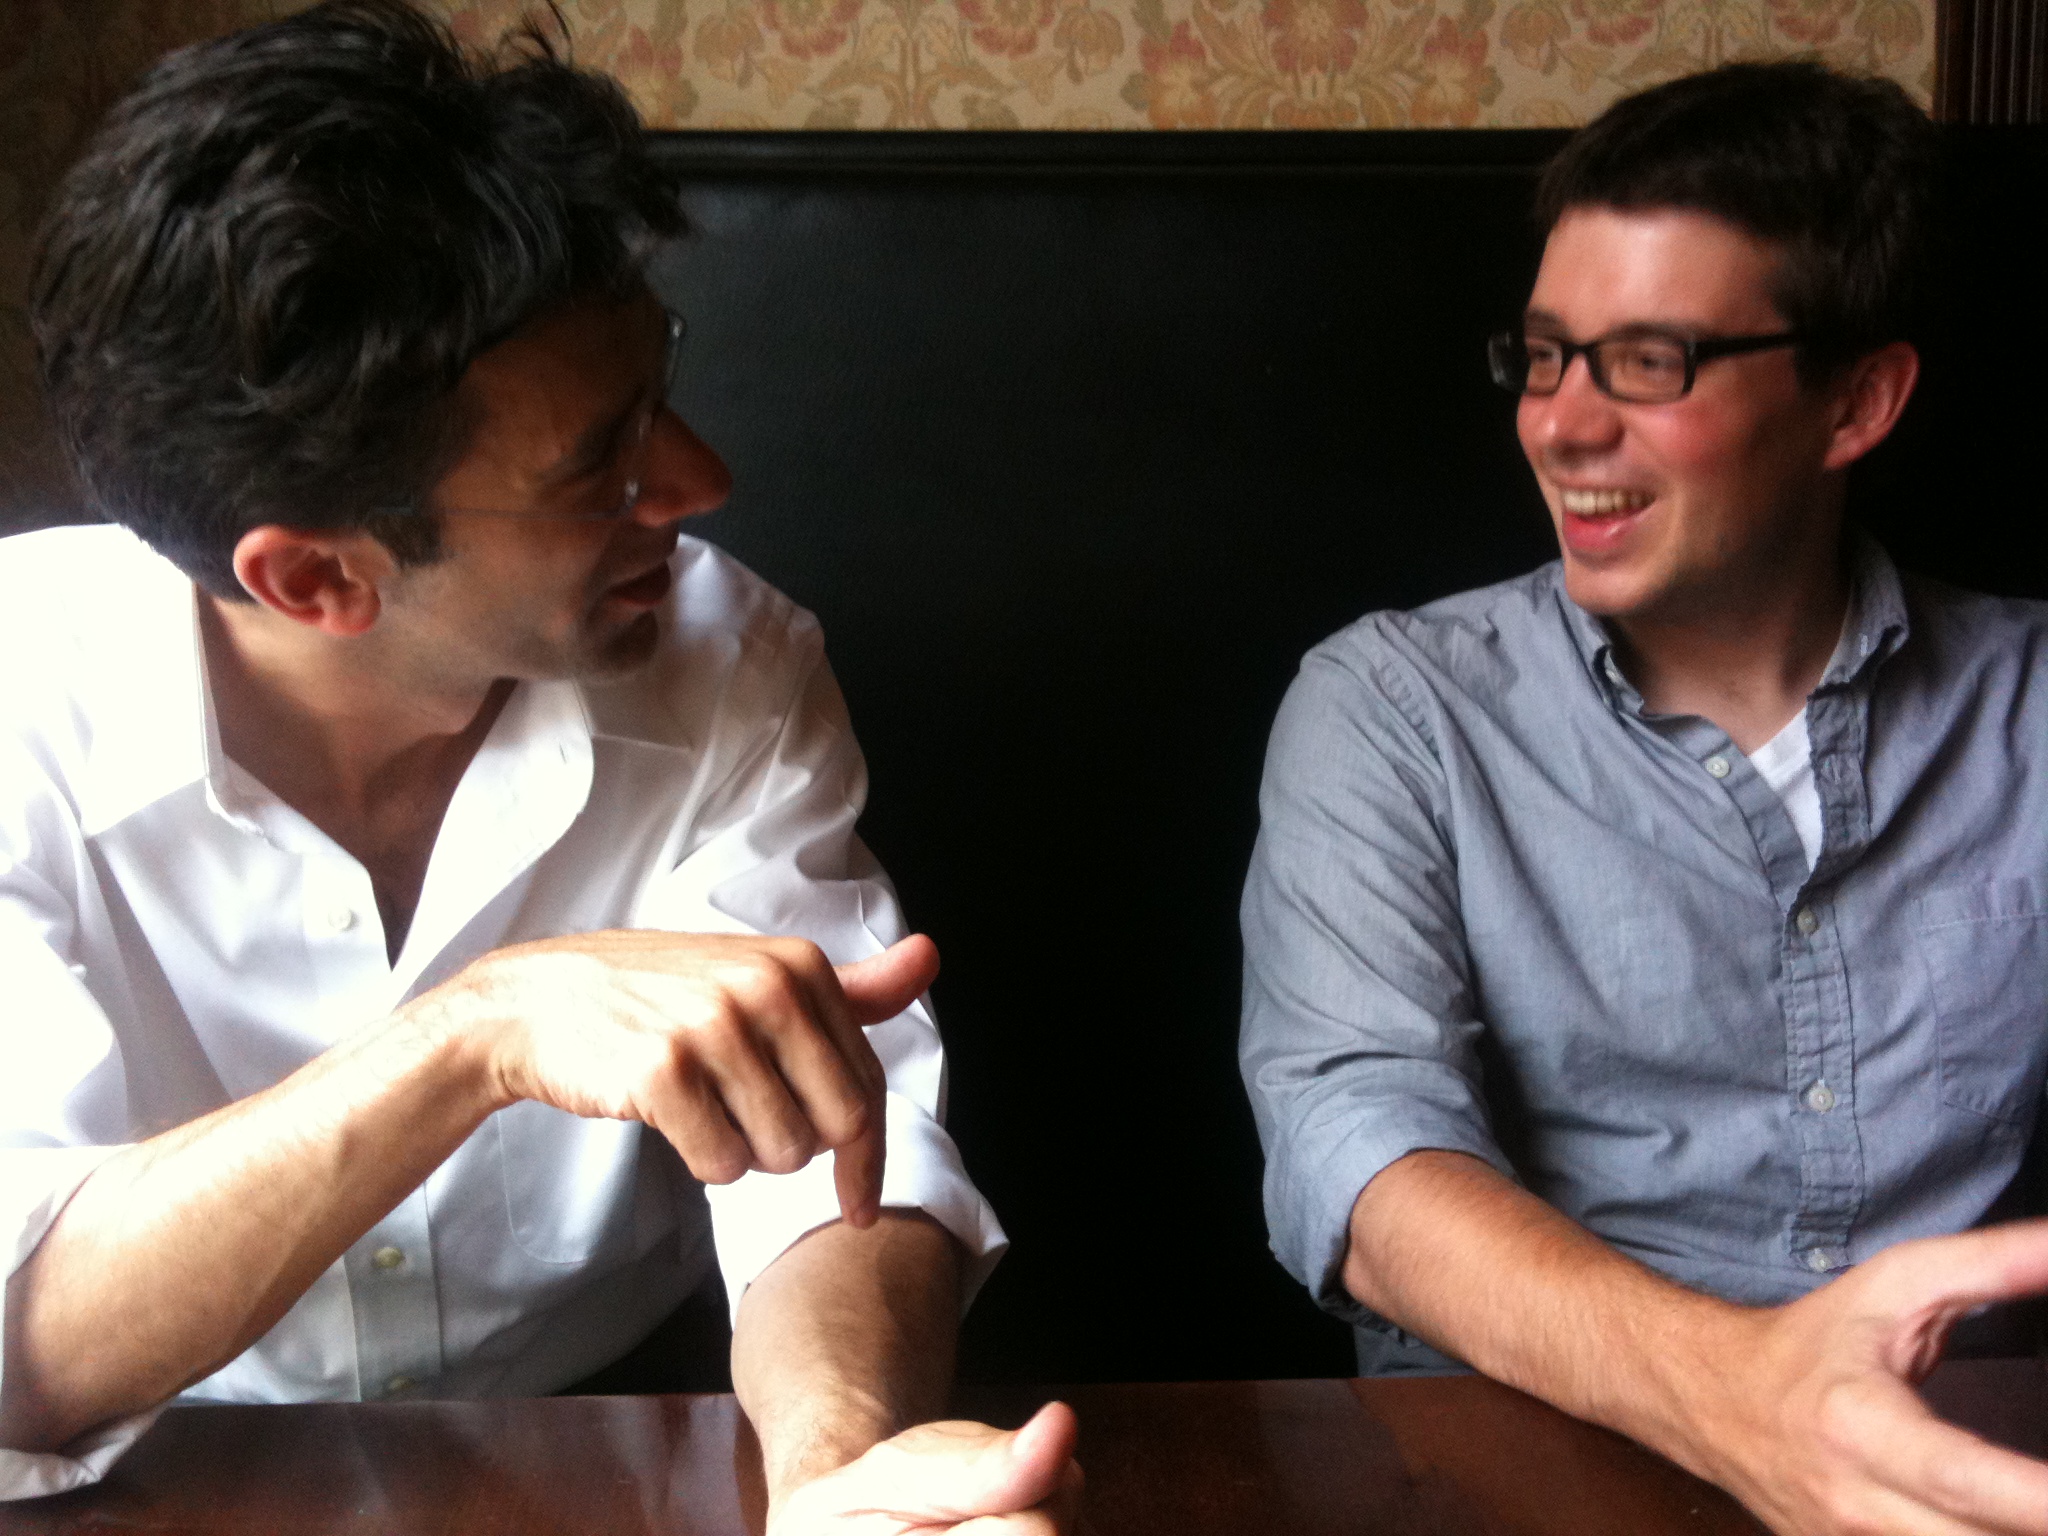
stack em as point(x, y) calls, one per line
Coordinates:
point(1075, 443)
point(1074, 456)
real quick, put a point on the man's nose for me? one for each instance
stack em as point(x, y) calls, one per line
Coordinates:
point(684, 476)
point(1576, 416)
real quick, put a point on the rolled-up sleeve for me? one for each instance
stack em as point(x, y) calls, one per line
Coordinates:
point(60, 1056)
point(785, 860)
point(35, 1183)
point(1359, 1031)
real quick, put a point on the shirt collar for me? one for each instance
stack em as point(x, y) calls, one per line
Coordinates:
point(144, 699)
point(1877, 625)
point(153, 731)
point(1875, 628)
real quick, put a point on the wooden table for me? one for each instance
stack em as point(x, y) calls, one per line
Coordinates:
point(1457, 1457)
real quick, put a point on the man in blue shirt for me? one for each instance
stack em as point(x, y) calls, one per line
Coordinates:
point(1647, 959)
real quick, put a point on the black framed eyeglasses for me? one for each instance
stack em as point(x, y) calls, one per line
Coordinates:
point(632, 451)
point(1642, 367)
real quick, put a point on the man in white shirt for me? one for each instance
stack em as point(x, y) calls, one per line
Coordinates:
point(382, 870)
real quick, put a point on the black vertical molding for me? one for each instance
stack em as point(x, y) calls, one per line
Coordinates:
point(1991, 61)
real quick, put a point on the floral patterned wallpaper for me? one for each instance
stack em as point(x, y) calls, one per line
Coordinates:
point(1194, 63)
point(965, 64)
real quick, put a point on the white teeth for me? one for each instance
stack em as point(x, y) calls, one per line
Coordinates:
point(1601, 503)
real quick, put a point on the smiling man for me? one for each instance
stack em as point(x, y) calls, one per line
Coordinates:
point(1646, 976)
point(435, 934)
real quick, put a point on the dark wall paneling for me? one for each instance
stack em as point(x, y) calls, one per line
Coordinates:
point(1075, 443)
point(1993, 61)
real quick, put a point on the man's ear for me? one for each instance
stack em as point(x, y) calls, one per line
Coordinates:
point(327, 579)
point(1869, 399)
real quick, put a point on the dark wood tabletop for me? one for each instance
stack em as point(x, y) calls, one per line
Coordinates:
point(1450, 1457)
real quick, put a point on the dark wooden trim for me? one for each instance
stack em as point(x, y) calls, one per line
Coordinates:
point(1992, 61)
point(1029, 153)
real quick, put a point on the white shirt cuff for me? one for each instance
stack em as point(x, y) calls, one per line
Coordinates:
point(756, 1218)
point(32, 1474)
point(35, 1185)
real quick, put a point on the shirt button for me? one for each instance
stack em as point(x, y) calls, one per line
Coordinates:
point(1821, 1260)
point(391, 1258)
point(1808, 921)
point(396, 1385)
point(1820, 1098)
point(338, 919)
point(1717, 765)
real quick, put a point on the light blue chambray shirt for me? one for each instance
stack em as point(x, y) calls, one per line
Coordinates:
point(1499, 907)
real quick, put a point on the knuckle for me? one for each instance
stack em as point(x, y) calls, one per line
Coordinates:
point(789, 1156)
point(674, 1060)
point(711, 1027)
point(798, 953)
point(1839, 1419)
point(850, 1119)
point(761, 986)
point(719, 1167)
point(863, 1116)
point(1946, 1483)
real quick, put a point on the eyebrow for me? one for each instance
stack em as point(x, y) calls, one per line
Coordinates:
point(1545, 318)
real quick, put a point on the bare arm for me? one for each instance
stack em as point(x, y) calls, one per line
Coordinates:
point(1805, 1412)
point(843, 1348)
point(845, 1340)
point(178, 1253)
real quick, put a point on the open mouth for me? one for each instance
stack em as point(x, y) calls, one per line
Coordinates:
point(1599, 521)
point(1582, 503)
point(644, 590)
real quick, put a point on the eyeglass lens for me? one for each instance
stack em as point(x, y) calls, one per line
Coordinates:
point(643, 429)
point(1639, 368)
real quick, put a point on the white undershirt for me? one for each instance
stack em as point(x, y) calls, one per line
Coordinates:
point(1786, 763)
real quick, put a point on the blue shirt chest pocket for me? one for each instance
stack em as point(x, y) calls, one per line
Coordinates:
point(1985, 947)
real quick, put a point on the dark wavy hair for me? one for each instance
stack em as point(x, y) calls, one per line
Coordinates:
point(1840, 172)
point(256, 293)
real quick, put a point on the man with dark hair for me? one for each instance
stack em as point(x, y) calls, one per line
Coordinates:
point(1646, 979)
point(422, 871)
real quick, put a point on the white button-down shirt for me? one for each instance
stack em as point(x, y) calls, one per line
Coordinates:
point(174, 937)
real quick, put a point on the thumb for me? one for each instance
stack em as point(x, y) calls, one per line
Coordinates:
point(1966, 1268)
point(1924, 1287)
point(882, 986)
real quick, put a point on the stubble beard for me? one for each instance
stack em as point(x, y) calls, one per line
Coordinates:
point(627, 651)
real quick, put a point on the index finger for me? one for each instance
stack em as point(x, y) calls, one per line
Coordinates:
point(820, 983)
point(1947, 1468)
point(857, 1162)
point(857, 1174)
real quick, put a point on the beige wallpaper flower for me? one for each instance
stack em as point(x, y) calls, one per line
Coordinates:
point(964, 64)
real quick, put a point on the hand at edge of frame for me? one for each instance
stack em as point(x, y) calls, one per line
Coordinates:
point(1819, 1428)
point(952, 1478)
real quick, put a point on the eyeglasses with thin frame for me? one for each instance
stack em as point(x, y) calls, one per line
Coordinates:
point(1642, 367)
point(634, 450)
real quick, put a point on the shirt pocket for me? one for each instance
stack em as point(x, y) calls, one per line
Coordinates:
point(569, 1182)
point(1986, 951)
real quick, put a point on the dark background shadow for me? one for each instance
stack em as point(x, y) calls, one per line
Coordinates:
point(1075, 443)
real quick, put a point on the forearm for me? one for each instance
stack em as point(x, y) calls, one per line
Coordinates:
point(845, 1340)
point(180, 1252)
point(1445, 1246)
